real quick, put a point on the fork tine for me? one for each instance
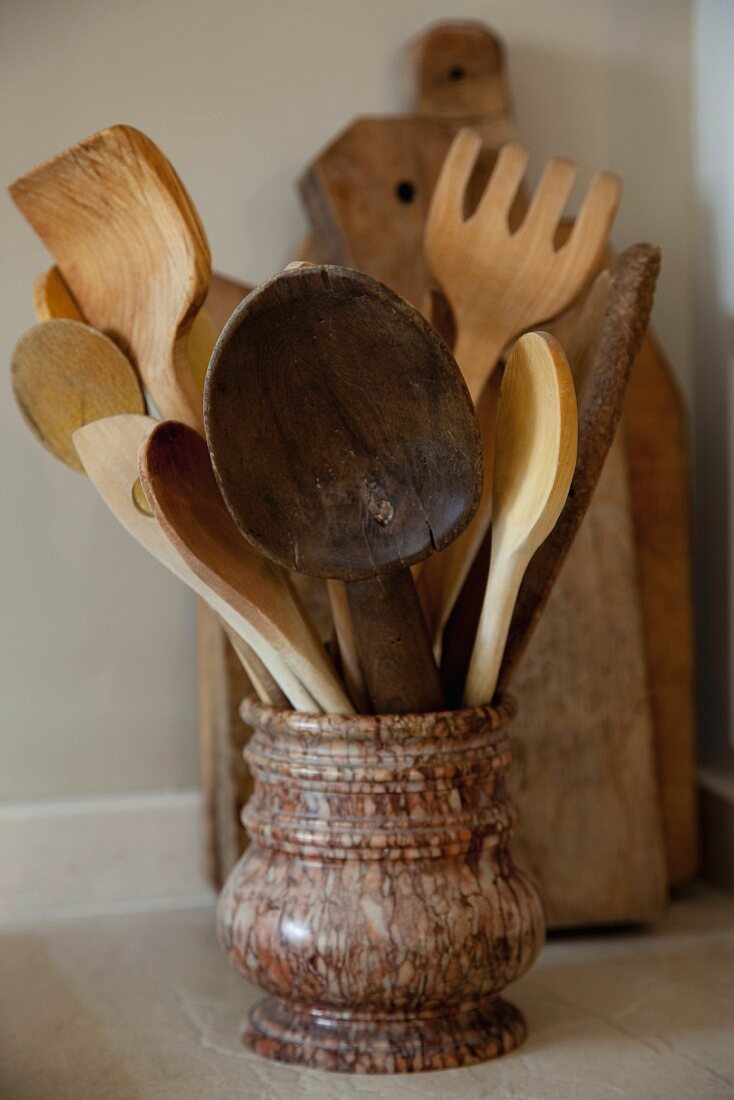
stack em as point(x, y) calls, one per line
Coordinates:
point(447, 204)
point(504, 182)
point(593, 222)
point(550, 198)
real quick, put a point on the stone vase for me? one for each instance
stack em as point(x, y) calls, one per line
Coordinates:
point(378, 905)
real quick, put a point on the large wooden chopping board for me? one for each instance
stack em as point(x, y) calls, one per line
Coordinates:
point(590, 824)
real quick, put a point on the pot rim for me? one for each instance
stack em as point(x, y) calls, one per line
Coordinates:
point(355, 728)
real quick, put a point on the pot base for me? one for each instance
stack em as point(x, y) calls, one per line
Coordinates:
point(345, 1044)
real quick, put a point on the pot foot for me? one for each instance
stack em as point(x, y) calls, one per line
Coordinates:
point(344, 1044)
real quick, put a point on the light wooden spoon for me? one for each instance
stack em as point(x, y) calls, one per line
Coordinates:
point(108, 450)
point(64, 375)
point(535, 457)
point(131, 249)
point(601, 335)
point(179, 483)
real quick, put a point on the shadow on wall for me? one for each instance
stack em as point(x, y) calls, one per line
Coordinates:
point(712, 540)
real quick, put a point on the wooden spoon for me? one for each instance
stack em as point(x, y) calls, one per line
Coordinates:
point(108, 450)
point(345, 445)
point(66, 374)
point(179, 483)
point(131, 249)
point(601, 337)
point(535, 456)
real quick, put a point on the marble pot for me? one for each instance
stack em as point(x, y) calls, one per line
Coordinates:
point(378, 904)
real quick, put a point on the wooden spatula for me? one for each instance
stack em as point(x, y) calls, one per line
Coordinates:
point(66, 374)
point(108, 450)
point(179, 483)
point(131, 249)
point(345, 445)
point(535, 456)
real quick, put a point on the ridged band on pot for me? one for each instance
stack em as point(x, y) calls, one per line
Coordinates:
point(379, 891)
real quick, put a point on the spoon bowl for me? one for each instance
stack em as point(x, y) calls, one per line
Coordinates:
point(535, 457)
point(66, 374)
point(345, 444)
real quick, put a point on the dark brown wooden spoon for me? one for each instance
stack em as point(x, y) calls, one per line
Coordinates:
point(346, 446)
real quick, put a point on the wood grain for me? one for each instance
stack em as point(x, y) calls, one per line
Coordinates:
point(179, 482)
point(459, 76)
point(52, 297)
point(131, 249)
point(658, 458)
point(361, 492)
point(367, 197)
point(499, 282)
point(225, 778)
point(602, 335)
point(575, 734)
point(534, 461)
point(589, 821)
point(65, 375)
point(660, 500)
point(108, 450)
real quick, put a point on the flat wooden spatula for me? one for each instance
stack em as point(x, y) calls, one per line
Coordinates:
point(345, 445)
point(131, 249)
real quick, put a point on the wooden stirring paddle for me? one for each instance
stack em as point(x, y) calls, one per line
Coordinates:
point(535, 456)
point(176, 473)
point(108, 450)
point(345, 445)
point(64, 375)
point(131, 249)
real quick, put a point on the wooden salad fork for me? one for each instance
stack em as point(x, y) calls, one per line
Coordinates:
point(500, 283)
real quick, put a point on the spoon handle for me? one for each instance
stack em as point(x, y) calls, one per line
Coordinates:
point(393, 645)
point(503, 583)
point(265, 686)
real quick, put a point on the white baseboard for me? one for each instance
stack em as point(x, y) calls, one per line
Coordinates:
point(79, 857)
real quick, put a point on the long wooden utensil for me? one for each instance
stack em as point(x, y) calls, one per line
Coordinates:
point(333, 462)
point(535, 456)
point(66, 374)
point(601, 337)
point(108, 450)
point(131, 249)
point(498, 283)
point(179, 483)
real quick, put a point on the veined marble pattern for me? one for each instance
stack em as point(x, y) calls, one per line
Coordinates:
point(378, 903)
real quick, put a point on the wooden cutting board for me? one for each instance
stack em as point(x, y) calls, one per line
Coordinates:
point(601, 783)
point(656, 451)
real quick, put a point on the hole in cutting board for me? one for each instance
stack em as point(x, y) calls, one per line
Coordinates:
point(457, 72)
point(405, 191)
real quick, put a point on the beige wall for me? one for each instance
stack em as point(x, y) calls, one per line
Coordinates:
point(97, 658)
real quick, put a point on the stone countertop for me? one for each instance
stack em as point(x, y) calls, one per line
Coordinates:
point(142, 1006)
